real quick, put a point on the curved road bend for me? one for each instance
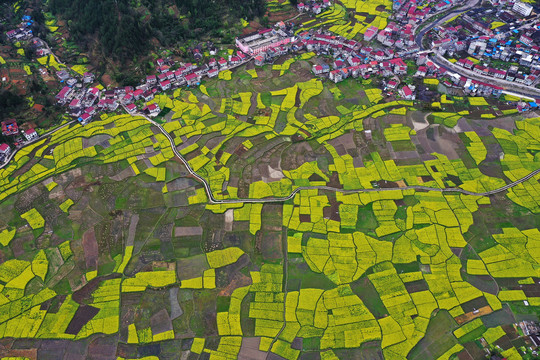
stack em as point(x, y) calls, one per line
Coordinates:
point(213, 200)
point(419, 37)
point(34, 141)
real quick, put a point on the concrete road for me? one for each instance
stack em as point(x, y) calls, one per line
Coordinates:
point(213, 200)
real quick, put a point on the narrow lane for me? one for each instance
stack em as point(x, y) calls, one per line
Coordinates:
point(213, 200)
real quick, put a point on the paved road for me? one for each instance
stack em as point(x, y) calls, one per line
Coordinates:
point(34, 141)
point(451, 14)
point(51, 52)
point(519, 89)
point(213, 200)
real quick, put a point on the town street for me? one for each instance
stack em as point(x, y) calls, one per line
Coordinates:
point(516, 88)
point(521, 89)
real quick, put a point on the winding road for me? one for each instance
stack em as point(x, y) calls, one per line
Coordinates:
point(212, 199)
point(34, 141)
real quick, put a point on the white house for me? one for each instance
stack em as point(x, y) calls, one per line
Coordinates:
point(30, 134)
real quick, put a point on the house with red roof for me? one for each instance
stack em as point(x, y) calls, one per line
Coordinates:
point(259, 60)
point(178, 74)
point(11, 34)
point(90, 110)
point(338, 64)
point(370, 33)
point(317, 69)
point(10, 127)
point(354, 61)
point(165, 85)
point(63, 95)
point(336, 76)
point(102, 104)
point(163, 69)
point(30, 134)
point(407, 93)
point(392, 84)
point(399, 66)
point(84, 118)
point(128, 99)
point(94, 91)
point(193, 79)
point(131, 108)
point(111, 104)
point(148, 95)
point(152, 109)
point(75, 103)
point(5, 150)
point(190, 66)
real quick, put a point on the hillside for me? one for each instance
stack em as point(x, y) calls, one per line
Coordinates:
point(125, 28)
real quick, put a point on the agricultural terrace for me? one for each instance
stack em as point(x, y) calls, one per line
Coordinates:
point(337, 18)
point(104, 232)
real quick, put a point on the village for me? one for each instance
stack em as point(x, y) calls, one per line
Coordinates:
point(389, 55)
point(345, 180)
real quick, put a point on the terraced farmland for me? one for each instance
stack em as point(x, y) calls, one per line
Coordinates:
point(108, 240)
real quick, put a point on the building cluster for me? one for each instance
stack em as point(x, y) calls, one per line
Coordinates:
point(23, 31)
point(454, 82)
point(416, 11)
point(400, 37)
point(313, 6)
point(266, 45)
point(531, 332)
point(84, 101)
point(337, 46)
point(352, 59)
point(527, 341)
point(490, 52)
point(10, 128)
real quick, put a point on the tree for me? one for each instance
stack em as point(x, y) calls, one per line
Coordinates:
point(122, 33)
point(8, 102)
point(265, 21)
point(29, 52)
